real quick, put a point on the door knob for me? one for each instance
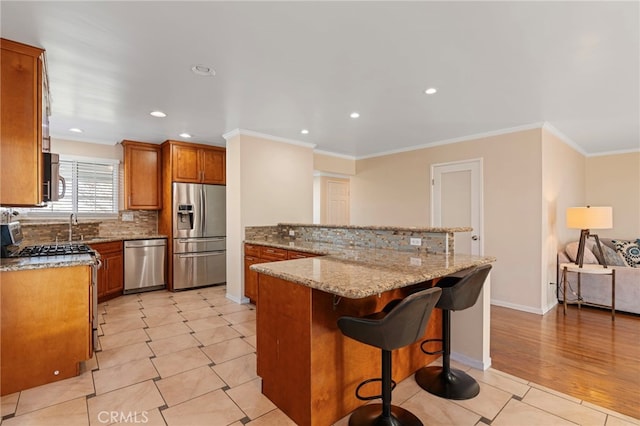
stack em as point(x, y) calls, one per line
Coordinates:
point(475, 237)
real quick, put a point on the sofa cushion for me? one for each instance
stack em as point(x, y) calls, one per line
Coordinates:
point(630, 251)
point(572, 251)
point(611, 256)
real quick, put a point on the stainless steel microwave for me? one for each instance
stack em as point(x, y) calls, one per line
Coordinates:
point(53, 185)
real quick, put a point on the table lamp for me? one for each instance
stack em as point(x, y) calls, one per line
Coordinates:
point(585, 219)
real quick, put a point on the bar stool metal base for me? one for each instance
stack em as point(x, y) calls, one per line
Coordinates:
point(455, 384)
point(371, 414)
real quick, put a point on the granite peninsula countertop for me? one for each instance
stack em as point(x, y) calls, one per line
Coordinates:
point(384, 227)
point(356, 272)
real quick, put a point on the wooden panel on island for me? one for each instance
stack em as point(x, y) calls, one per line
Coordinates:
point(46, 325)
point(308, 368)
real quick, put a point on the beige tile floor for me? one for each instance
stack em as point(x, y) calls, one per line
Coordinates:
point(188, 358)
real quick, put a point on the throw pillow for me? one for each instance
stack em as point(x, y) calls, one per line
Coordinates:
point(572, 252)
point(612, 257)
point(630, 251)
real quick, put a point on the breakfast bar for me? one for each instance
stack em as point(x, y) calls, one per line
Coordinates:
point(308, 368)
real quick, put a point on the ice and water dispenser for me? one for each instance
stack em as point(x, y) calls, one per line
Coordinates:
point(185, 217)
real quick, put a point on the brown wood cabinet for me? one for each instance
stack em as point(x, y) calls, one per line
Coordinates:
point(24, 117)
point(309, 369)
point(111, 273)
point(45, 325)
point(196, 163)
point(254, 254)
point(142, 176)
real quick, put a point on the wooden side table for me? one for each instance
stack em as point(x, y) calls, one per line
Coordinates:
point(589, 269)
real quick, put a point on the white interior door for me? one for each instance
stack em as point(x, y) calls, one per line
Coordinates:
point(337, 201)
point(456, 200)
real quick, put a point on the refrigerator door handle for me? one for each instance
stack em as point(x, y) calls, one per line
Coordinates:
point(203, 211)
point(201, 240)
point(213, 253)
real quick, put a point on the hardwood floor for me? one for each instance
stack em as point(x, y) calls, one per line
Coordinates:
point(583, 354)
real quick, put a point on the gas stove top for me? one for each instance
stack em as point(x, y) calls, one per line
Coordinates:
point(53, 250)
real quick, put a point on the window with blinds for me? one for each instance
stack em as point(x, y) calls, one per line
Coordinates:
point(92, 188)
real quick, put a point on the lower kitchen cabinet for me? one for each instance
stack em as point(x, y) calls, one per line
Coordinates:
point(111, 273)
point(251, 278)
point(254, 254)
point(46, 317)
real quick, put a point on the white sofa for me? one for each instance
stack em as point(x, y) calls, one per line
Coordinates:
point(597, 288)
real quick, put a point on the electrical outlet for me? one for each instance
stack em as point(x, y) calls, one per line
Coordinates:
point(127, 217)
point(415, 261)
point(292, 233)
point(415, 241)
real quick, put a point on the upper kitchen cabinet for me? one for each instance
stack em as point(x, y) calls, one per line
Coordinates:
point(142, 176)
point(24, 118)
point(196, 163)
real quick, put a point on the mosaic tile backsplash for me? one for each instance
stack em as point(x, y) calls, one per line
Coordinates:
point(37, 232)
point(436, 241)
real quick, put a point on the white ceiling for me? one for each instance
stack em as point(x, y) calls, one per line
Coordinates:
point(284, 66)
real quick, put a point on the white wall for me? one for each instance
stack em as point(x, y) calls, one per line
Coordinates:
point(267, 182)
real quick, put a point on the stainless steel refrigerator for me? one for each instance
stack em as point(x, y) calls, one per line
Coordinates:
point(199, 235)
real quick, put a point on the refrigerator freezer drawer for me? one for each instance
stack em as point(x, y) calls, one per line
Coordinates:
point(192, 245)
point(199, 269)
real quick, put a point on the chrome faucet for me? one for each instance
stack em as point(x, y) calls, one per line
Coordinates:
point(73, 220)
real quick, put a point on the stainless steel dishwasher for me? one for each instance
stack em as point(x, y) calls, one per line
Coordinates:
point(144, 265)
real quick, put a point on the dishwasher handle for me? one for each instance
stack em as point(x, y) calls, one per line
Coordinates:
point(145, 243)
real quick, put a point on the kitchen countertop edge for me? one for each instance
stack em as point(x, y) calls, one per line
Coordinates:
point(356, 272)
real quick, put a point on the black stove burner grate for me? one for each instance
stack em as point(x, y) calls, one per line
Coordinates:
point(53, 250)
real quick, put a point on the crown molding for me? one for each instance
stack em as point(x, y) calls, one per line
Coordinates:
point(457, 140)
point(564, 138)
point(334, 154)
point(240, 132)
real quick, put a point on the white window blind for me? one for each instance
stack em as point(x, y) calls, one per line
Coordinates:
point(92, 188)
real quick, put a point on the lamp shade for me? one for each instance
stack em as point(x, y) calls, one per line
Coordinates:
point(590, 217)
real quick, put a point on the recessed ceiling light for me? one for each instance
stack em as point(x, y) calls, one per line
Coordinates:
point(304, 131)
point(159, 114)
point(203, 70)
point(354, 115)
point(75, 130)
point(185, 135)
point(431, 91)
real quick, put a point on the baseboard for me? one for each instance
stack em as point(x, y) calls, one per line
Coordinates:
point(471, 362)
point(550, 307)
point(239, 301)
point(517, 307)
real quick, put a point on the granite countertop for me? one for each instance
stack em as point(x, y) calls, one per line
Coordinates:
point(42, 262)
point(356, 272)
point(97, 240)
point(384, 227)
point(63, 261)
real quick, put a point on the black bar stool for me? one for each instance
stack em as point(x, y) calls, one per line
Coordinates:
point(399, 324)
point(457, 294)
